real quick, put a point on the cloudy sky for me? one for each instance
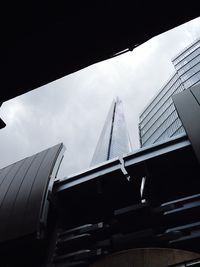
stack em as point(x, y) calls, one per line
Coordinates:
point(73, 109)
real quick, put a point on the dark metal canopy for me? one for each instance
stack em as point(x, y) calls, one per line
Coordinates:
point(24, 188)
point(45, 40)
point(101, 210)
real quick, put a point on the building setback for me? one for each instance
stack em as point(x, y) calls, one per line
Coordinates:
point(159, 120)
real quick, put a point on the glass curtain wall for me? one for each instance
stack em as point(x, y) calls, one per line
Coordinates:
point(159, 120)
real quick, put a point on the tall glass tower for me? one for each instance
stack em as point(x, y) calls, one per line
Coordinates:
point(159, 120)
point(187, 65)
point(114, 139)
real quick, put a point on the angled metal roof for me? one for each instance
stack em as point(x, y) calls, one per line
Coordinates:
point(24, 188)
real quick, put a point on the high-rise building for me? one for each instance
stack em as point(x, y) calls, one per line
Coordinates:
point(100, 217)
point(159, 120)
point(114, 139)
point(187, 65)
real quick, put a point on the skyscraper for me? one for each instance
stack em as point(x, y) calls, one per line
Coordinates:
point(187, 65)
point(114, 139)
point(159, 120)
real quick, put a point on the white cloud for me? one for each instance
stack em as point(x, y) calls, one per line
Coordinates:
point(73, 109)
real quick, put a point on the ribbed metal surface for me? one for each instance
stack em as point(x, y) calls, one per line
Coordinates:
point(23, 191)
point(188, 108)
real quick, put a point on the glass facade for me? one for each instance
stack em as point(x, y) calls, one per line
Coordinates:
point(159, 120)
point(114, 139)
point(120, 142)
point(101, 151)
point(187, 65)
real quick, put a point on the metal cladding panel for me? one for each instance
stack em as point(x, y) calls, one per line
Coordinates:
point(23, 192)
point(196, 92)
point(188, 108)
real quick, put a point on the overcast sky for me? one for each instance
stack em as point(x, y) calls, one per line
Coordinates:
point(73, 109)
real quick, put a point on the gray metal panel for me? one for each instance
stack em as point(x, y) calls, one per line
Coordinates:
point(11, 195)
point(23, 192)
point(196, 92)
point(93, 173)
point(19, 205)
point(132, 159)
point(188, 109)
point(156, 150)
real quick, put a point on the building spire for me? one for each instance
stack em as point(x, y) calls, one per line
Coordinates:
point(114, 139)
